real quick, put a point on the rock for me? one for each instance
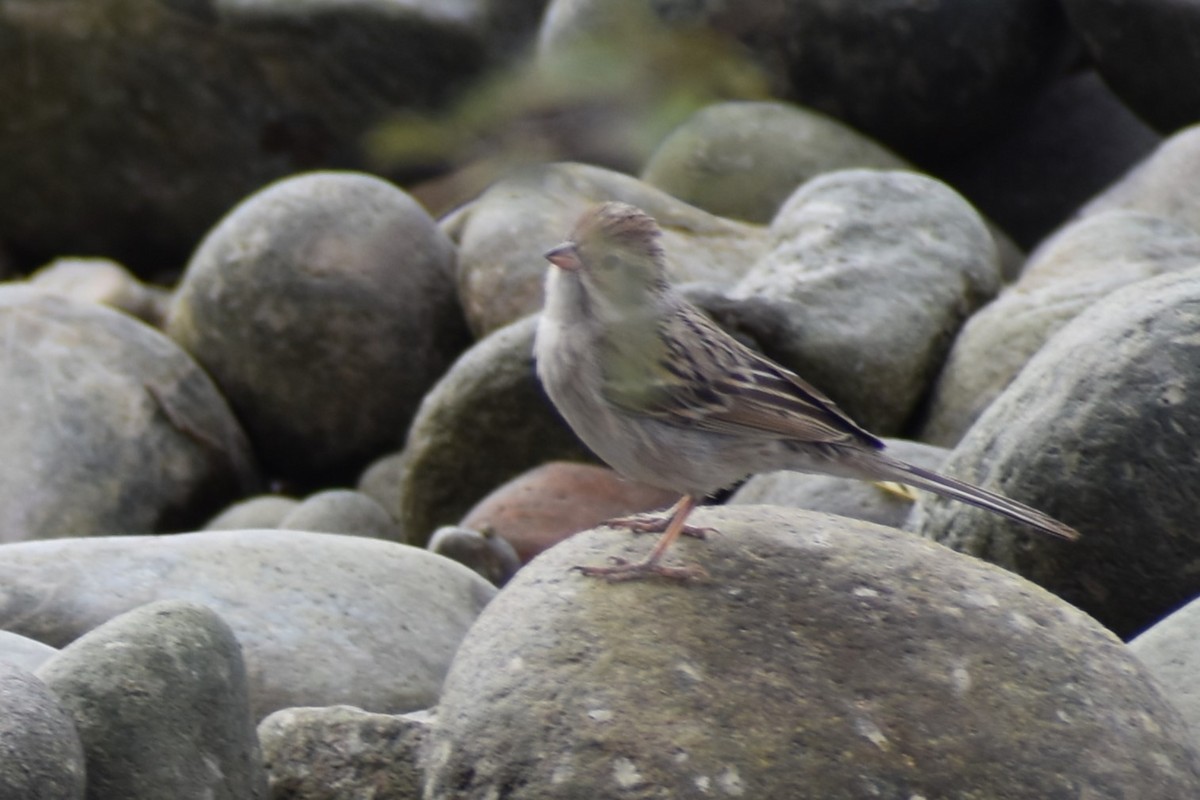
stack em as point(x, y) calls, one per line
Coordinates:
point(743, 159)
point(143, 122)
point(324, 307)
point(541, 507)
point(1097, 430)
point(1084, 262)
point(485, 422)
point(482, 551)
point(23, 652)
point(101, 280)
point(43, 757)
point(261, 511)
point(316, 614)
point(341, 752)
point(849, 659)
point(107, 426)
point(504, 233)
point(1069, 143)
point(1171, 652)
point(843, 496)
point(1124, 37)
point(342, 511)
point(381, 482)
point(159, 697)
point(1163, 184)
point(922, 79)
point(857, 304)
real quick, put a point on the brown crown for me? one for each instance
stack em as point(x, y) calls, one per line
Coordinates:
point(621, 224)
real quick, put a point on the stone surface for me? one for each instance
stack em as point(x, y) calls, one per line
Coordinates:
point(41, 757)
point(503, 234)
point(485, 422)
point(341, 752)
point(863, 500)
point(323, 306)
point(322, 619)
point(1171, 651)
point(823, 658)
point(1163, 184)
point(1097, 430)
point(869, 276)
point(141, 122)
point(21, 651)
point(1148, 51)
point(106, 425)
point(381, 482)
point(483, 551)
point(539, 508)
point(743, 159)
point(260, 511)
point(922, 78)
point(159, 697)
point(1069, 143)
point(101, 280)
point(342, 511)
point(1084, 262)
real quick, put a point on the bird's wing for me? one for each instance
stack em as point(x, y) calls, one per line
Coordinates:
point(718, 384)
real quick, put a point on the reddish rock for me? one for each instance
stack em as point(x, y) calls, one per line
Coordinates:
point(549, 503)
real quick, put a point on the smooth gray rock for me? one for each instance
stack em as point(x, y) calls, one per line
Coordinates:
point(159, 697)
point(342, 511)
point(1086, 261)
point(21, 651)
point(843, 496)
point(1097, 430)
point(106, 425)
point(317, 614)
point(1069, 143)
point(483, 551)
point(921, 78)
point(743, 159)
point(41, 756)
point(485, 422)
point(868, 277)
point(1163, 184)
point(503, 234)
point(342, 752)
point(260, 511)
point(101, 280)
point(1122, 37)
point(823, 657)
point(381, 482)
point(1171, 651)
point(324, 308)
point(142, 122)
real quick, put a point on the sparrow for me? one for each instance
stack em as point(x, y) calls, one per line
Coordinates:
point(667, 398)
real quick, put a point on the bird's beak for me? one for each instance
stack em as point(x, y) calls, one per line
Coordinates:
point(565, 256)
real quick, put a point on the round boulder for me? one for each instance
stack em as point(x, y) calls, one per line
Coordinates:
point(821, 657)
point(1099, 430)
point(324, 308)
point(106, 425)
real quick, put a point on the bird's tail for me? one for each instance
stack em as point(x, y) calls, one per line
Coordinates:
point(902, 472)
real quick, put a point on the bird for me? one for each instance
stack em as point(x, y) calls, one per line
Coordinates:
point(666, 397)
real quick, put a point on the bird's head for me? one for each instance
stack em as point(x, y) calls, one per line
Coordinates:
point(614, 254)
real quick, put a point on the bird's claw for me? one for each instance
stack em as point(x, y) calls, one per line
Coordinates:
point(655, 524)
point(623, 570)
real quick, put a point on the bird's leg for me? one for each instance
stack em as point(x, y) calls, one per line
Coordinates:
point(658, 523)
point(624, 570)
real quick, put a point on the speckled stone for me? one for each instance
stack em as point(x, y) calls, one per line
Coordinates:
point(822, 658)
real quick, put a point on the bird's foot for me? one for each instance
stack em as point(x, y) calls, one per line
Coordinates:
point(647, 523)
point(622, 570)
